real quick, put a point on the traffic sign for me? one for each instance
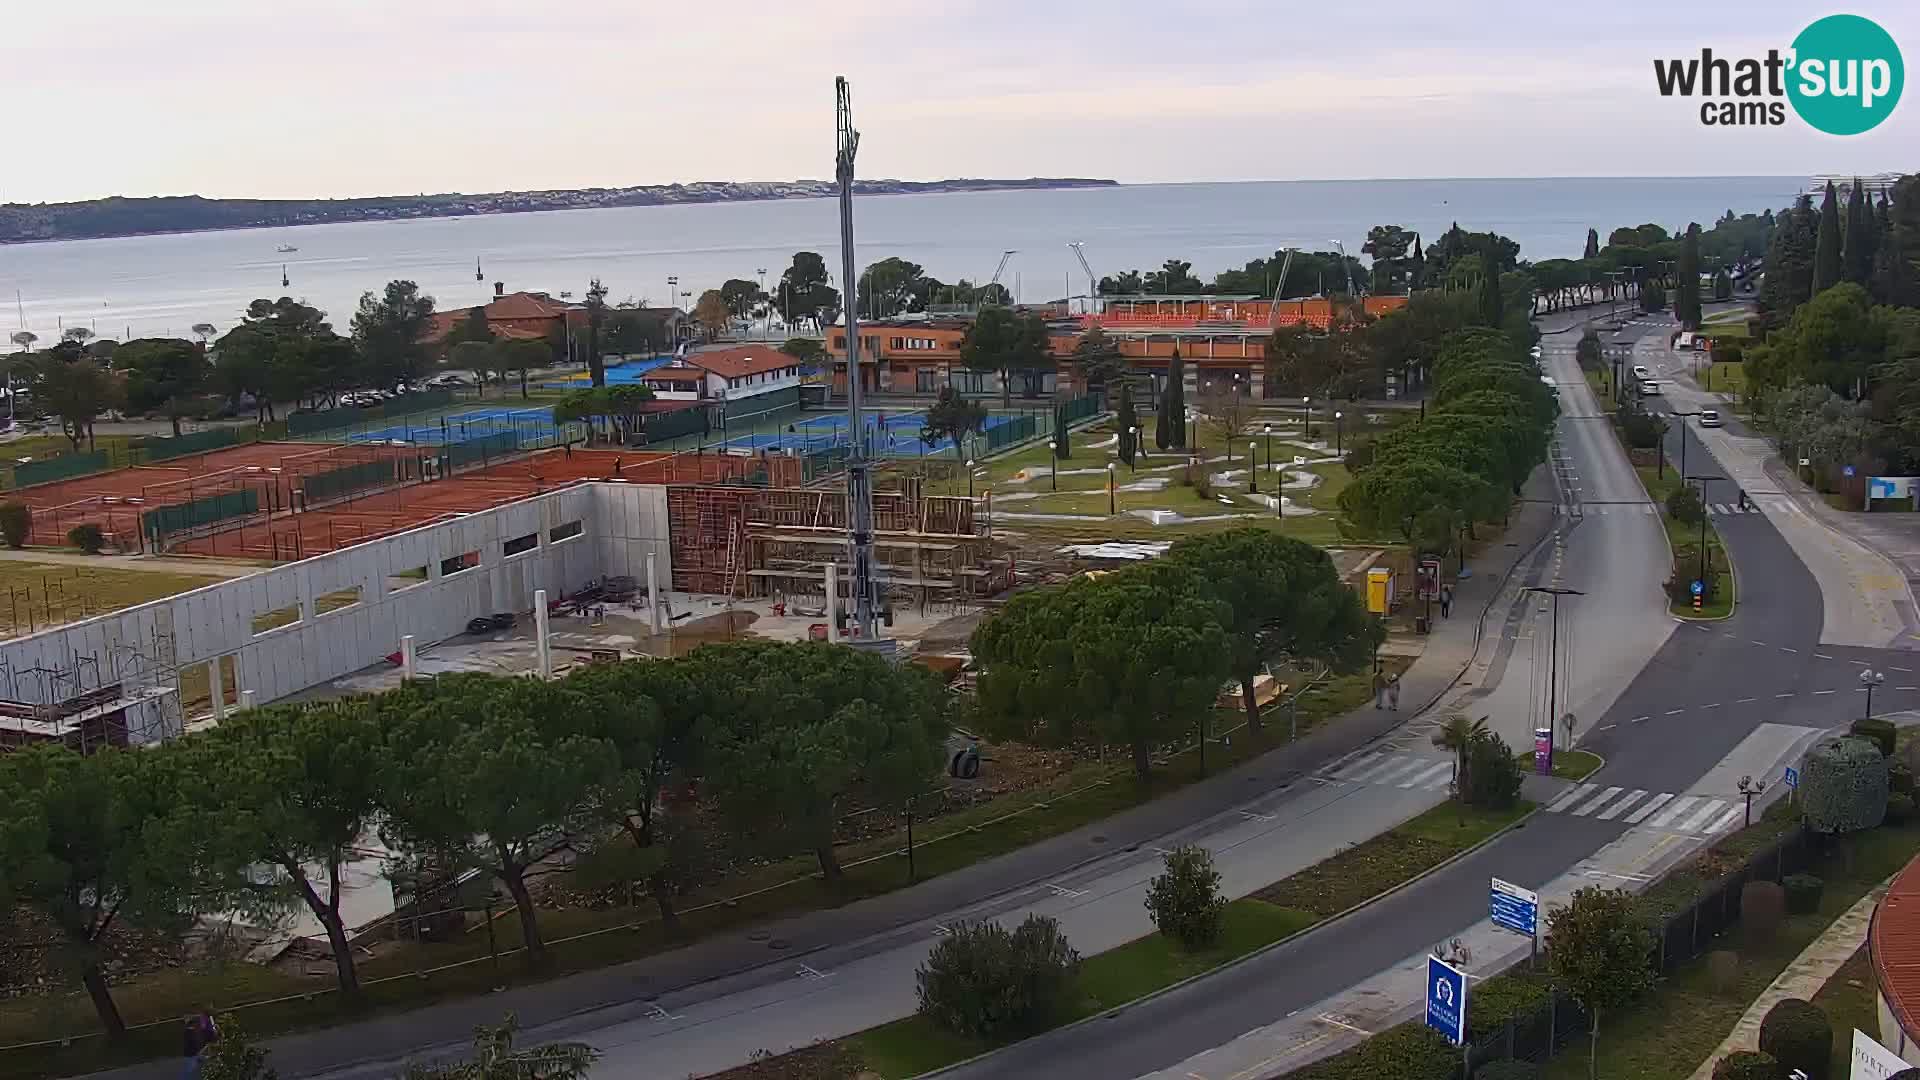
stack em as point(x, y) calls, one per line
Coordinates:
point(1847, 472)
point(1793, 777)
point(1447, 1000)
point(1514, 908)
point(1698, 587)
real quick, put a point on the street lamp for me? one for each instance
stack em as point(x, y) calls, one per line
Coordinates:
point(1110, 507)
point(1139, 451)
point(1553, 650)
point(1870, 679)
point(1749, 787)
point(1337, 444)
point(1683, 439)
point(1704, 480)
point(1253, 470)
point(1306, 409)
point(1267, 430)
point(969, 478)
point(1192, 423)
point(1053, 464)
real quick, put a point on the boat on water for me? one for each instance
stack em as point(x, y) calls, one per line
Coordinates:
point(284, 248)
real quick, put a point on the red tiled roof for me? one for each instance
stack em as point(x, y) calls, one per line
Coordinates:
point(1895, 940)
point(745, 360)
point(680, 370)
point(519, 306)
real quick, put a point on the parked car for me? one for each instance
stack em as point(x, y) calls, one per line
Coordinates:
point(1709, 418)
point(487, 624)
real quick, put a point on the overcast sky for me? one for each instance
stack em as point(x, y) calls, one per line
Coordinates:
point(357, 97)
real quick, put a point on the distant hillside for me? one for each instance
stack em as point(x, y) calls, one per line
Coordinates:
point(119, 216)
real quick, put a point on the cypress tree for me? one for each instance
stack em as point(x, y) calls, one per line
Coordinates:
point(1417, 271)
point(1789, 263)
point(1173, 409)
point(1856, 254)
point(1686, 289)
point(1826, 244)
point(1125, 418)
point(1060, 447)
point(1593, 245)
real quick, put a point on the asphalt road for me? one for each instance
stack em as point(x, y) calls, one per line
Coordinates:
point(1702, 690)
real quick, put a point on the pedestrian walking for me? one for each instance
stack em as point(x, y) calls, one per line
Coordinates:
point(566, 448)
point(1379, 690)
point(1446, 601)
point(201, 1032)
point(616, 466)
point(1393, 692)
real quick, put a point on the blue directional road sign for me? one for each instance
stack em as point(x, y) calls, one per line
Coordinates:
point(1447, 1000)
point(1514, 908)
point(1847, 472)
point(1698, 587)
point(1793, 777)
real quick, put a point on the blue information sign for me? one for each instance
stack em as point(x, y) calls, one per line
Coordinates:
point(1447, 1000)
point(1514, 908)
point(1698, 587)
point(1847, 471)
point(1793, 777)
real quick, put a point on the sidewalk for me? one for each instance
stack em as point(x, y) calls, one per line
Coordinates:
point(739, 956)
point(1804, 977)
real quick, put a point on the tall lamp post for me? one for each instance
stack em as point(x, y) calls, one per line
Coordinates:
point(969, 478)
point(1139, 451)
point(1704, 480)
point(1253, 470)
point(1306, 410)
point(1683, 439)
point(1267, 430)
point(1053, 464)
point(1337, 435)
point(1553, 649)
point(1110, 507)
point(1870, 679)
point(1750, 788)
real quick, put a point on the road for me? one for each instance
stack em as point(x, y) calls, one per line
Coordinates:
point(1711, 702)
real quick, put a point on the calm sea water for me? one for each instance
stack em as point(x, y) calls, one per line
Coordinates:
point(164, 284)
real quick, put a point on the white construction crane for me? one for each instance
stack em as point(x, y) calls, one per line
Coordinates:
point(1001, 269)
point(1344, 264)
point(1279, 289)
point(859, 479)
point(1093, 291)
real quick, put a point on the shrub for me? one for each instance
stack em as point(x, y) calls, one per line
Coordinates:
point(985, 982)
point(1763, 907)
point(1723, 970)
point(1747, 1065)
point(1185, 900)
point(1652, 297)
point(1641, 429)
point(1359, 458)
point(1684, 506)
point(87, 538)
point(1899, 778)
point(1880, 733)
point(1803, 893)
point(1899, 809)
point(1493, 774)
point(1799, 1036)
point(1906, 1074)
point(1407, 1052)
point(1501, 999)
point(1507, 1070)
point(234, 1056)
point(16, 522)
point(1843, 786)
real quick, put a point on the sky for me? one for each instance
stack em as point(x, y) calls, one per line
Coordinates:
point(300, 98)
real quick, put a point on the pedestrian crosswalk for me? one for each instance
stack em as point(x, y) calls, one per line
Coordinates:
point(1780, 505)
point(1700, 815)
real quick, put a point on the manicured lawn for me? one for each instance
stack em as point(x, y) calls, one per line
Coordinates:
point(1848, 999)
point(1567, 764)
point(912, 1046)
point(34, 595)
point(1685, 539)
point(1373, 866)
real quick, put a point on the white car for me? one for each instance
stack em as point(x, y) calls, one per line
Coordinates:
point(1640, 372)
point(1709, 418)
point(1649, 388)
point(1534, 352)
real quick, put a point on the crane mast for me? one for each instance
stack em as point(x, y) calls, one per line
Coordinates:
point(859, 473)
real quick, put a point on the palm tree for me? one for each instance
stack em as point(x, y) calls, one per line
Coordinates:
point(494, 1058)
point(203, 331)
point(24, 339)
point(1458, 734)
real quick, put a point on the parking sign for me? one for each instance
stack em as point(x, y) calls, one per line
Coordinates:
point(1447, 1000)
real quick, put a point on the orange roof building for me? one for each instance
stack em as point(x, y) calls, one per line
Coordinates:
point(1894, 945)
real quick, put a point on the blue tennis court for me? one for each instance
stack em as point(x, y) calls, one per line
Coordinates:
point(532, 425)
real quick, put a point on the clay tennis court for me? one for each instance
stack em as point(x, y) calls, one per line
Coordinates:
point(286, 536)
point(115, 500)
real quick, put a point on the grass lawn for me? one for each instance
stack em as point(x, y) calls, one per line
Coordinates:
point(34, 595)
point(581, 939)
point(1727, 378)
point(1685, 539)
point(1848, 999)
point(1397, 855)
point(1670, 1032)
point(1567, 764)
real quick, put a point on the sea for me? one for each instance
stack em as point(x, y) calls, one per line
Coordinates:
point(163, 285)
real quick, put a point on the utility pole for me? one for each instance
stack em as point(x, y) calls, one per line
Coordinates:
point(859, 480)
point(1553, 648)
point(1703, 527)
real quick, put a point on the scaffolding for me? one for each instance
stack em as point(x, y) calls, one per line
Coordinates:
point(123, 695)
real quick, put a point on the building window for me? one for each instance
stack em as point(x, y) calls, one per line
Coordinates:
point(520, 544)
point(926, 380)
point(894, 343)
point(566, 531)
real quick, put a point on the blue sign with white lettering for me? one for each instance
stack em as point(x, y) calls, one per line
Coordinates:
point(1698, 587)
point(1793, 777)
point(1447, 1000)
point(1847, 471)
point(1514, 908)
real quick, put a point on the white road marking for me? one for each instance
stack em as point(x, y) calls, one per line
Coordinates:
point(1680, 806)
point(1620, 807)
point(1572, 797)
point(1062, 890)
point(1702, 816)
point(1675, 712)
point(1597, 803)
point(1653, 804)
point(1726, 820)
point(1445, 768)
point(1818, 692)
point(1783, 648)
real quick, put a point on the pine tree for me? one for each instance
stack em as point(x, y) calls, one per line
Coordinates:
point(1593, 245)
point(1789, 263)
point(1125, 418)
point(1489, 296)
point(1900, 245)
point(1856, 255)
point(1417, 268)
point(1686, 288)
point(1826, 245)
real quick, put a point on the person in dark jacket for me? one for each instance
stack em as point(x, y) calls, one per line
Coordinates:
point(201, 1032)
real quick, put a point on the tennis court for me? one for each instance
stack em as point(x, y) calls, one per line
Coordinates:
point(533, 425)
point(889, 434)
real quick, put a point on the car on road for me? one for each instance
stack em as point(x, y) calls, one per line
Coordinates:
point(1709, 418)
point(1649, 388)
point(1534, 352)
point(1640, 372)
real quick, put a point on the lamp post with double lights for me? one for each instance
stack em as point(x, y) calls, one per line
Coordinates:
point(1553, 649)
point(1750, 787)
point(1870, 679)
